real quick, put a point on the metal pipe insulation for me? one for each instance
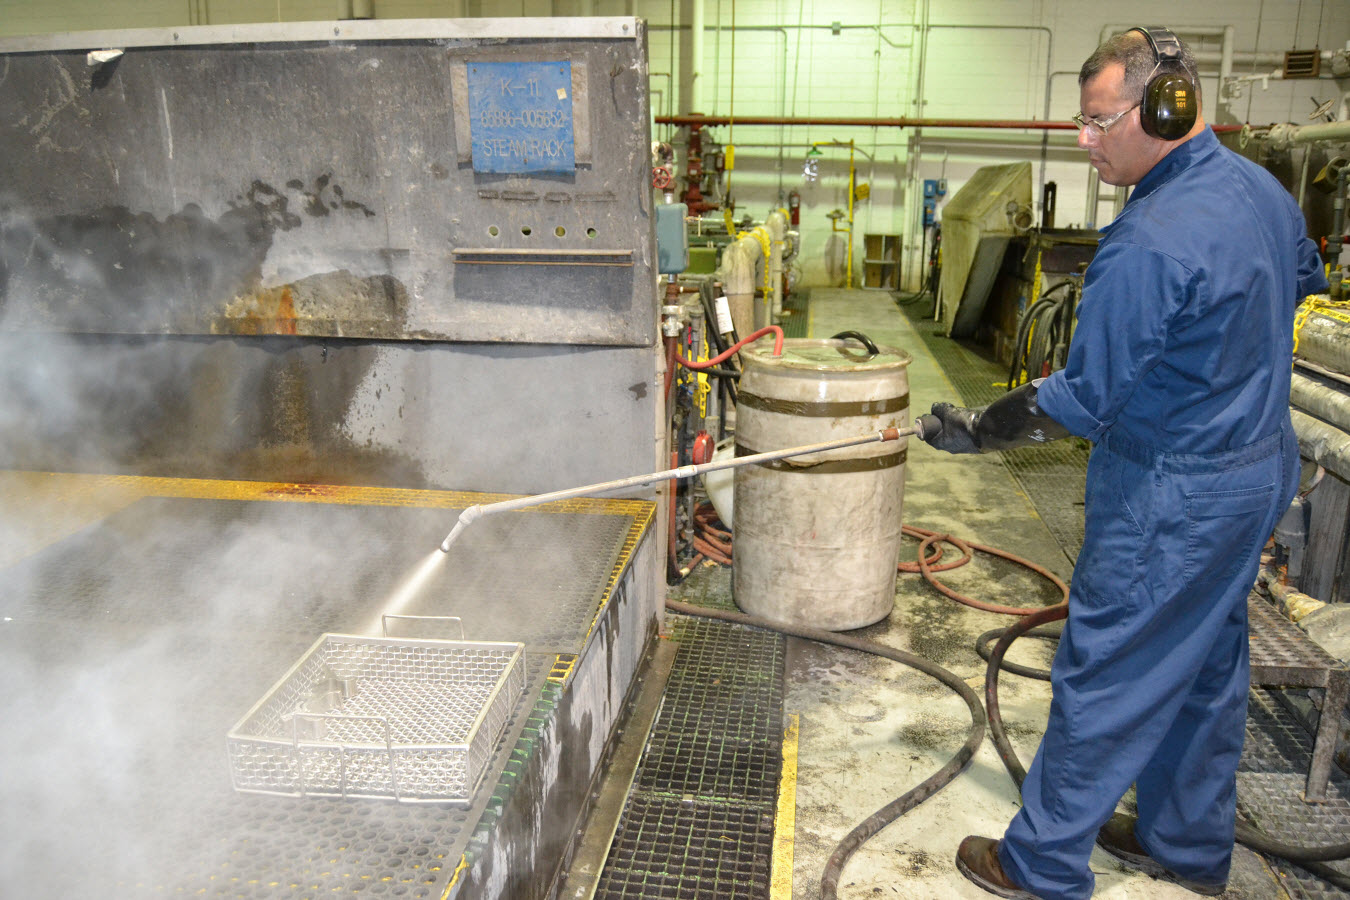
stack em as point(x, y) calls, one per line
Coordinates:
point(737, 272)
point(777, 225)
point(1283, 135)
point(1225, 61)
point(1324, 402)
point(467, 517)
point(1322, 335)
point(1325, 444)
point(1322, 371)
point(1295, 605)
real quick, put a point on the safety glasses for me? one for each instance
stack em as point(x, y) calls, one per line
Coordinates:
point(1099, 126)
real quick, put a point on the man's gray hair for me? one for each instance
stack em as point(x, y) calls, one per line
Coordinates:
point(1131, 49)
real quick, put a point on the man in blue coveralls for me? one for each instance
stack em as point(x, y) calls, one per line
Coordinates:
point(1179, 372)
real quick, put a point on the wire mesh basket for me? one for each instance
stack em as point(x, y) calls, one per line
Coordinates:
point(415, 720)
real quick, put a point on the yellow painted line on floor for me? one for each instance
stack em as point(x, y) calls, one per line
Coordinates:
point(785, 821)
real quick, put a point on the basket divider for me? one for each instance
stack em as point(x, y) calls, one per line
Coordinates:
point(393, 765)
point(299, 760)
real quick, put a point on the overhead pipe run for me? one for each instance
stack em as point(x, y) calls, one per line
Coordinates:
point(1324, 444)
point(696, 59)
point(1282, 136)
point(884, 122)
point(867, 122)
point(1324, 402)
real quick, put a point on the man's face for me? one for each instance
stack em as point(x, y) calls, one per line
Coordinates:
point(1125, 154)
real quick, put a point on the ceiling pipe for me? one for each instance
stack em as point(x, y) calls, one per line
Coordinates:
point(1282, 136)
point(696, 57)
point(883, 122)
point(1192, 30)
point(866, 122)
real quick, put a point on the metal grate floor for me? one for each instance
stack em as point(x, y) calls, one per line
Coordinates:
point(1271, 778)
point(699, 819)
point(796, 306)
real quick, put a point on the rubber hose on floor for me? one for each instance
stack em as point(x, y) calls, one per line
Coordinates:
point(1307, 857)
point(984, 644)
point(834, 868)
point(929, 540)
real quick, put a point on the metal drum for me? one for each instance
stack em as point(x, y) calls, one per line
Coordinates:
point(818, 536)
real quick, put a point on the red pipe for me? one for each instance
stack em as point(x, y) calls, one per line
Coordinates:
point(876, 122)
point(725, 354)
point(865, 122)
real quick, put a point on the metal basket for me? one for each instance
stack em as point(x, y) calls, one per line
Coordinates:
point(415, 720)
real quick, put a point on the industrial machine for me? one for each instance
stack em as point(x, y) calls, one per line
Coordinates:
point(295, 294)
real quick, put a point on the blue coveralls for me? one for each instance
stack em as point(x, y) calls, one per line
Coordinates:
point(1179, 372)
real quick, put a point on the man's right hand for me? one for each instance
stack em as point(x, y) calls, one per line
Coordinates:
point(958, 428)
point(1013, 420)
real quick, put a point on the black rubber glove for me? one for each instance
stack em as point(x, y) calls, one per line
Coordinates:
point(1013, 420)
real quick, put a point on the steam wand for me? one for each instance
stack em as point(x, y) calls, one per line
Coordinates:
point(923, 426)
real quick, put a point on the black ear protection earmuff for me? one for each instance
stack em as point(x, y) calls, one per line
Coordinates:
point(1171, 103)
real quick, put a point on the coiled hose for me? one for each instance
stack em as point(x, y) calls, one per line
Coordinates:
point(927, 566)
point(1310, 858)
point(1043, 334)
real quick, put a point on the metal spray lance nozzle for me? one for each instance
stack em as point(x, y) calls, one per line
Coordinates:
point(920, 428)
point(465, 518)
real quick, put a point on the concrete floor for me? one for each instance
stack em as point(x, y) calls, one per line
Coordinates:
point(871, 729)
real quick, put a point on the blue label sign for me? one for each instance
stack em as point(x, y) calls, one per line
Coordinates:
point(521, 116)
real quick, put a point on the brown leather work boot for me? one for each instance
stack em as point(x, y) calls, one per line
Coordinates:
point(1117, 838)
point(977, 858)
